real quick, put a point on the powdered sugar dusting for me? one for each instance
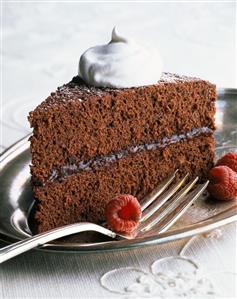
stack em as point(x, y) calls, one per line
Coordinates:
point(77, 90)
point(173, 78)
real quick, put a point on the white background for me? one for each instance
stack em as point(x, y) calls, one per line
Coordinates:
point(42, 43)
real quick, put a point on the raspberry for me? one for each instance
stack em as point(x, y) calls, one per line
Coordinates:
point(229, 160)
point(223, 183)
point(123, 213)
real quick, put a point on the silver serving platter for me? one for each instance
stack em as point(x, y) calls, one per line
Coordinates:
point(206, 214)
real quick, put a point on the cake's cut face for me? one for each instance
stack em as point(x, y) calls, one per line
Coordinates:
point(91, 144)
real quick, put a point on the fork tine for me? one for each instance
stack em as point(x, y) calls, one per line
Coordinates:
point(167, 207)
point(167, 221)
point(147, 200)
point(160, 201)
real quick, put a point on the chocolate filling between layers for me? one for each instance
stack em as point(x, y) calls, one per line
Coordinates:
point(100, 161)
point(83, 196)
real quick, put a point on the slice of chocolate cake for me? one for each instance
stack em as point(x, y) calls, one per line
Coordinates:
point(90, 144)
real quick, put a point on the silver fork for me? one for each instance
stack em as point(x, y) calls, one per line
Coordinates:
point(158, 214)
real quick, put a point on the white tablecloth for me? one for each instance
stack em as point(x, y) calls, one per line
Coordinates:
point(48, 275)
point(42, 43)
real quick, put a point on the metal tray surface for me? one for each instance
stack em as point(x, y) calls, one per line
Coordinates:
point(206, 214)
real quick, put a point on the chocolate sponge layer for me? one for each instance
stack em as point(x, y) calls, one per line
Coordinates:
point(83, 196)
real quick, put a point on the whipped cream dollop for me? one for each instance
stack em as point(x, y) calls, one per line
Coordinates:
point(121, 63)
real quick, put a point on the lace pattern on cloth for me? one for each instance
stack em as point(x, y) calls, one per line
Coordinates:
point(160, 281)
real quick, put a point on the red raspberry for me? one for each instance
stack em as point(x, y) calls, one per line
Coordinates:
point(223, 183)
point(123, 213)
point(229, 160)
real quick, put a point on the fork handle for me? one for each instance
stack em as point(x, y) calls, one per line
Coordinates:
point(17, 248)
